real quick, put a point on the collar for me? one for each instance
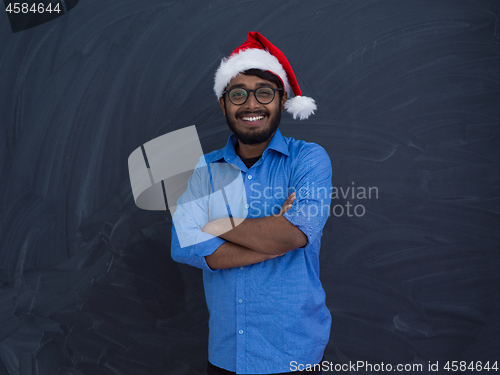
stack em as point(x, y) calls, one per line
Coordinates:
point(228, 153)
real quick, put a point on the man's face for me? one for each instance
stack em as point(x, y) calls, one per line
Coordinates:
point(252, 122)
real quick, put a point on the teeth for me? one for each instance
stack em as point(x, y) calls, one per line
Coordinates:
point(256, 118)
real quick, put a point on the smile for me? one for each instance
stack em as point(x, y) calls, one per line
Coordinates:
point(256, 118)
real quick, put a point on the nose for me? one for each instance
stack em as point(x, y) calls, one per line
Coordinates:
point(252, 101)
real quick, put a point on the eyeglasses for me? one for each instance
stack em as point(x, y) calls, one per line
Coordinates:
point(239, 95)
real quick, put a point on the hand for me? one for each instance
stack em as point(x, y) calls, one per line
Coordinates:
point(288, 203)
point(286, 206)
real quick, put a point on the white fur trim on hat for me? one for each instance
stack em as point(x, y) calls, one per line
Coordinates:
point(252, 58)
point(301, 107)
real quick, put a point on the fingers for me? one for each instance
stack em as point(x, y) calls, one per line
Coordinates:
point(288, 203)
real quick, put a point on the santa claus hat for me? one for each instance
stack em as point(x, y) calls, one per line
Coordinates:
point(258, 53)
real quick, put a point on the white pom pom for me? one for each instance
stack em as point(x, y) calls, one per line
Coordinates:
point(301, 106)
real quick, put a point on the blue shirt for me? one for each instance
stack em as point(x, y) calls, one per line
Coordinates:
point(265, 315)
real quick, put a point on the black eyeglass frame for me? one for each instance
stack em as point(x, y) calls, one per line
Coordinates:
point(254, 94)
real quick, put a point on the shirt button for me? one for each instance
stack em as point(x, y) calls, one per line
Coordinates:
point(240, 331)
point(249, 177)
point(240, 301)
point(247, 205)
point(242, 268)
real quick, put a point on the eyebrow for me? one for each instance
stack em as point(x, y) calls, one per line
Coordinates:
point(258, 84)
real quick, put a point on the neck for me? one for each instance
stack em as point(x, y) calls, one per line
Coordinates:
point(251, 151)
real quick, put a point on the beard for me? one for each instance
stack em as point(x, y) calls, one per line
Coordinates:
point(253, 137)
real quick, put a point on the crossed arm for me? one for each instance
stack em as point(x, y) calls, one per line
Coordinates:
point(253, 240)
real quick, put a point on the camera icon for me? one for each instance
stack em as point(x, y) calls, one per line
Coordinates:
point(161, 178)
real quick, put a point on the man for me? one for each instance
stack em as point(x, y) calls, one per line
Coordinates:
point(260, 261)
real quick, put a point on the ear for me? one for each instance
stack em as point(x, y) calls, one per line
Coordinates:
point(283, 101)
point(221, 103)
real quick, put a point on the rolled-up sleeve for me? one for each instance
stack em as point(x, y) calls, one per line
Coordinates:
point(190, 244)
point(312, 182)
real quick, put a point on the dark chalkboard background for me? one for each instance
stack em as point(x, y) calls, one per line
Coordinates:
point(409, 102)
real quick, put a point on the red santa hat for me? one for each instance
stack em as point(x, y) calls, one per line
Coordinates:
point(258, 53)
